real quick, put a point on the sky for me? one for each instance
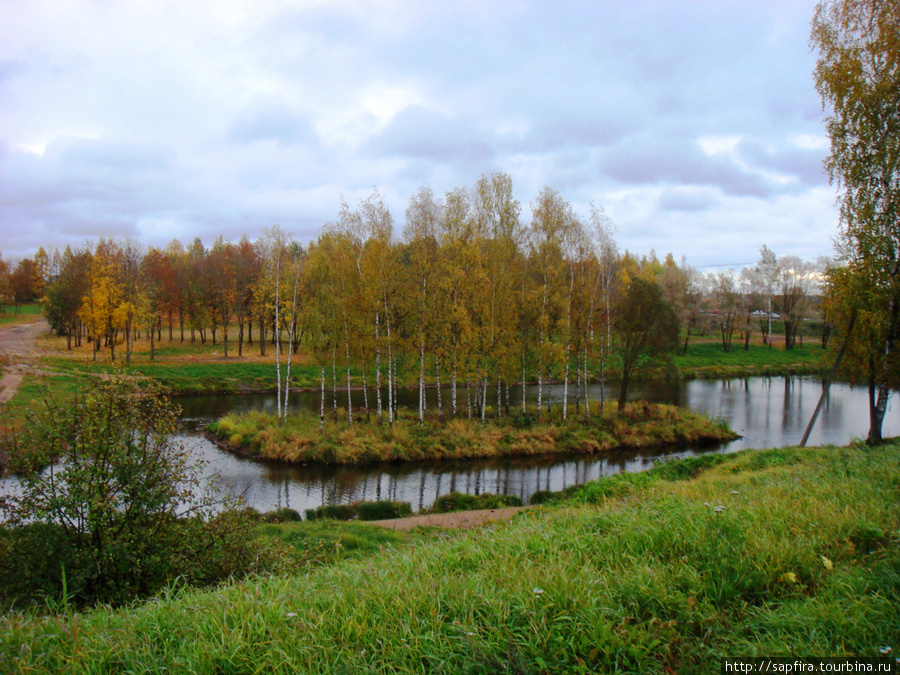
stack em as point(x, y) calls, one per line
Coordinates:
point(694, 123)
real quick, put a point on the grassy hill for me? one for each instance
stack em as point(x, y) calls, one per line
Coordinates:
point(781, 552)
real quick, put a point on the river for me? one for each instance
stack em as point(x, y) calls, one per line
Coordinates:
point(766, 411)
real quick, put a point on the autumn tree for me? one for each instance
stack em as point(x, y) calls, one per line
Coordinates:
point(4, 282)
point(767, 274)
point(727, 306)
point(552, 220)
point(646, 327)
point(795, 284)
point(65, 295)
point(23, 283)
point(858, 77)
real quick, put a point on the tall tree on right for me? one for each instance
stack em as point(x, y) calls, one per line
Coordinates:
point(858, 77)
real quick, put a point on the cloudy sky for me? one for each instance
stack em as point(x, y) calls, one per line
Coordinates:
point(694, 123)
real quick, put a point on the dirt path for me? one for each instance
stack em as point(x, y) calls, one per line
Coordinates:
point(17, 345)
point(455, 520)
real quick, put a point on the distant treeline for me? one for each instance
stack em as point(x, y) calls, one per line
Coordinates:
point(468, 294)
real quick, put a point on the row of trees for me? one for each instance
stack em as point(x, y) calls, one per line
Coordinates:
point(468, 295)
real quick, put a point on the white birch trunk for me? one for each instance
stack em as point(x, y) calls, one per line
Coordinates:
point(347, 354)
point(437, 380)
point(278, 335)
point(422, 381)
point(378, 366)
point(389, 374)
point(322, 402)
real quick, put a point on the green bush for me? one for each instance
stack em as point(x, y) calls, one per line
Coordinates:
point(542, 497)
point(460, 501)
point(116, 515)
point(333, 511)
point(383, 510)
point(283, 515)
point(380, 510)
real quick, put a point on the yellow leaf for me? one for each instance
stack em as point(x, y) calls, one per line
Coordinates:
point(828, 564)
point(789, 578)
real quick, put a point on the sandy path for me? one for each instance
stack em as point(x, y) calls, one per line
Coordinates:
point(454, 520)
point(17, 342)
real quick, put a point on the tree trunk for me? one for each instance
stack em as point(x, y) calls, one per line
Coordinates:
point(322, 401)
point(623, 392)
point(437, 380)
point(876, 417)
point(378, 367)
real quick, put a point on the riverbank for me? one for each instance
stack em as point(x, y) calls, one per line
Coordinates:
point(783, 552)
point(300, 440)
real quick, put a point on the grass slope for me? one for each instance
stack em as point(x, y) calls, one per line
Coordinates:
point(784, 552)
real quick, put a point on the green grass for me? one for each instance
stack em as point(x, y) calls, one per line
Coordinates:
point(300, 440)
point(26, 314)
point(308, 544)
point(777, 553)
point(709, 359)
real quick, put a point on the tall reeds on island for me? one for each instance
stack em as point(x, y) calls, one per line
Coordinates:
point(791, 553)
point(302, 439)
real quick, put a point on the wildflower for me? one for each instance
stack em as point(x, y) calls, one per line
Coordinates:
point(735, 492)
point(538, 591)
point(291, 615)
point(885, 650)
point(719, 509)
point(706, 504)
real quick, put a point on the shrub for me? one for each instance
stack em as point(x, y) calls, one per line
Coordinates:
point(383, 510)
point(117, 514)
point(542, 497)
point(283, 515)
point(333, 511)
point(460, 501)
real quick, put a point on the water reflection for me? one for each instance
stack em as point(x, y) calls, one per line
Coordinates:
point(267, 485)
point(767, 412)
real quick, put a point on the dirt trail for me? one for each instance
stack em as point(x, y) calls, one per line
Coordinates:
point(16, 345)
point(454, 520)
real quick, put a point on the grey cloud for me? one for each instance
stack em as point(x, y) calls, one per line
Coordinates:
point(417, 132)
point(656, 161)
point(688, 199)
point(275, 122)
point(113, 157)
point(786, 158)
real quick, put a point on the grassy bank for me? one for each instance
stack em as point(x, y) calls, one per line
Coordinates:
point(197, 368)
point(300, 439)
point(778, 553)
point(709, 360)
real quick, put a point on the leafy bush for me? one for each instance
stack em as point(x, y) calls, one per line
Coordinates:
point(283, 515)
point(542, 497)
point(333, 511)
point(379, 510)
point(117, 514)
point(460, 501)
point(383, 510)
